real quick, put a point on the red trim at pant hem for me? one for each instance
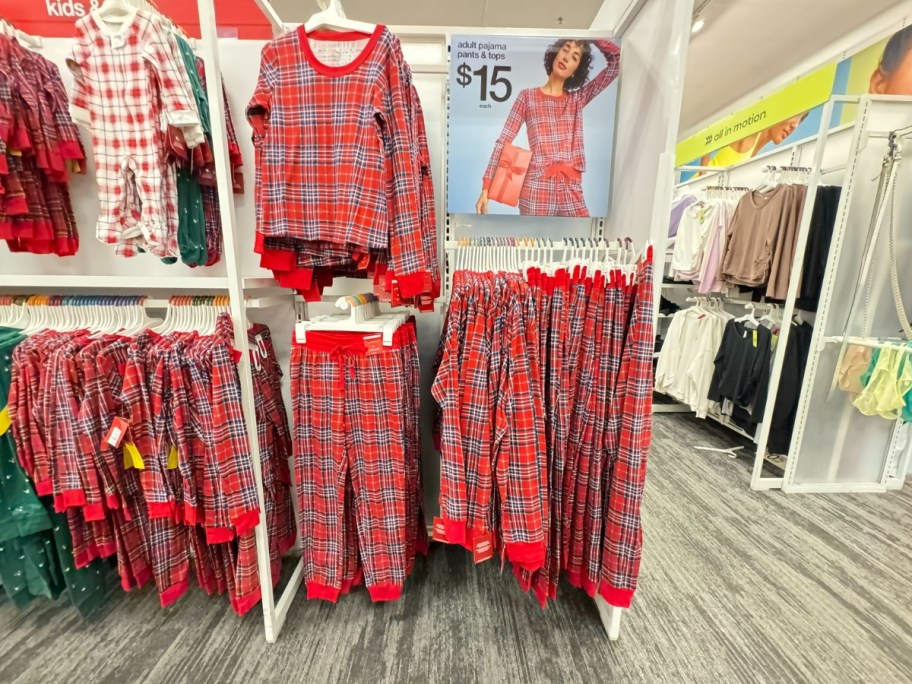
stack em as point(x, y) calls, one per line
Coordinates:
point(315, 590)
point(619, 598)
point(385, 592)
point(174, 592)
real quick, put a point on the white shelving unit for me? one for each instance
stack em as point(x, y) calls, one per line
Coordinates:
point(655, 40)
point(826, 155)
point(835, 448)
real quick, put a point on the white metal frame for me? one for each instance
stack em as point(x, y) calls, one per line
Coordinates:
point(759, 482)
point(761, 439)
point(275, 611)
point(818, 143)
point(860, 141)
point(610, 615)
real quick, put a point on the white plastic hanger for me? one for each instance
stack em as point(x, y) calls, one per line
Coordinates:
point(749, 317)
point(25, 39)
point(333, 17)
point(364, 316)
point(116, 12)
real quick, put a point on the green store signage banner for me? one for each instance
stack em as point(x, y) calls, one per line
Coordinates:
point(793, 113)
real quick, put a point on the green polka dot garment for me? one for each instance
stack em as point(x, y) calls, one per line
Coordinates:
point(36, 556)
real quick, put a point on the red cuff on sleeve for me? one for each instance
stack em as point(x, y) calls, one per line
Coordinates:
point(93, 512)
point(486, 183)
point(219, 535)
point(70, 149)
point(246, 521)
point(412, 285)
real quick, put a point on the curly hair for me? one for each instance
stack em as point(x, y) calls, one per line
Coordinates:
point(581, 75)
point(895, 51)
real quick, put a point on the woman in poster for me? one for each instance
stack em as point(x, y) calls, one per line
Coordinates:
point(893, 75)
point(553, 115)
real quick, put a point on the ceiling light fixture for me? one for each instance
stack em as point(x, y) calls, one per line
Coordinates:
point(698, 25)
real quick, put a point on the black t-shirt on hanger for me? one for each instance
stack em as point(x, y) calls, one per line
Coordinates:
point(741, 362)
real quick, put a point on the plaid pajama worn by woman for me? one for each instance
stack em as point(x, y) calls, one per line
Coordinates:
point(553, 115)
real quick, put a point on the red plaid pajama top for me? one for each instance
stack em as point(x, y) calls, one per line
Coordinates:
point(337, 148)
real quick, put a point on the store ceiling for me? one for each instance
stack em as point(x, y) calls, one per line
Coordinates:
point(494, 13)
point(744, 44)
point(747, 43)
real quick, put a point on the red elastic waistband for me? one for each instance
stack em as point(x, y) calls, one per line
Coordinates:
point(357, 343)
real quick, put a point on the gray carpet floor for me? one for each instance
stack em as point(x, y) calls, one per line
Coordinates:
point(736, 586)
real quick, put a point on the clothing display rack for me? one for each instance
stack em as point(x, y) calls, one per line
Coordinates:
point(820, 159)
point(658, 38)
point(834, 447)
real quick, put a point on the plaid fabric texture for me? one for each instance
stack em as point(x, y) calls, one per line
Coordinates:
point(129, 87)
point(554, 126)
point(357, 461)
point(39, 145)
point(192, 502)
point(342, 159)
point(544, 390)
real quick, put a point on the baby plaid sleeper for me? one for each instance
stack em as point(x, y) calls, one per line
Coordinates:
point(129, 89)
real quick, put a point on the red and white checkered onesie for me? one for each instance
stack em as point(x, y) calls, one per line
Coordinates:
point(129, 88)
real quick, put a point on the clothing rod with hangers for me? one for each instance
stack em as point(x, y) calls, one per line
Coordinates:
point(154, 303)
point(557, 244)
point(6, 28)
point(873, 343)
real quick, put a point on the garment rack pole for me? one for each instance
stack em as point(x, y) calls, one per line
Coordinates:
point(758, 482)
point(216, 96)
point(857, 192)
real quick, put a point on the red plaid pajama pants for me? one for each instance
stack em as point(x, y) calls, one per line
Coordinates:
point(353, 446)
point(574, 349)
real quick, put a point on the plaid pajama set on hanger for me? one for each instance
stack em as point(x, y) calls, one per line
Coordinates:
point(38, 145)
point(343, 179)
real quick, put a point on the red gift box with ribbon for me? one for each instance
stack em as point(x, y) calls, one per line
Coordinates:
point(510, 175)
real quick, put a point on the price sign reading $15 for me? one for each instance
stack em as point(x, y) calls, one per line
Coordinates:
point(476, 66)
point(498, 88)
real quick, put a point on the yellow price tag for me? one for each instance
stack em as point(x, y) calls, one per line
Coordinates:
point(4, 420)
point(132, 458)
point(172, 458)
point(755, 339)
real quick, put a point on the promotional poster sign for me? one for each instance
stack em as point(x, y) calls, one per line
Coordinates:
point(793, 113)
point(531, 125)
